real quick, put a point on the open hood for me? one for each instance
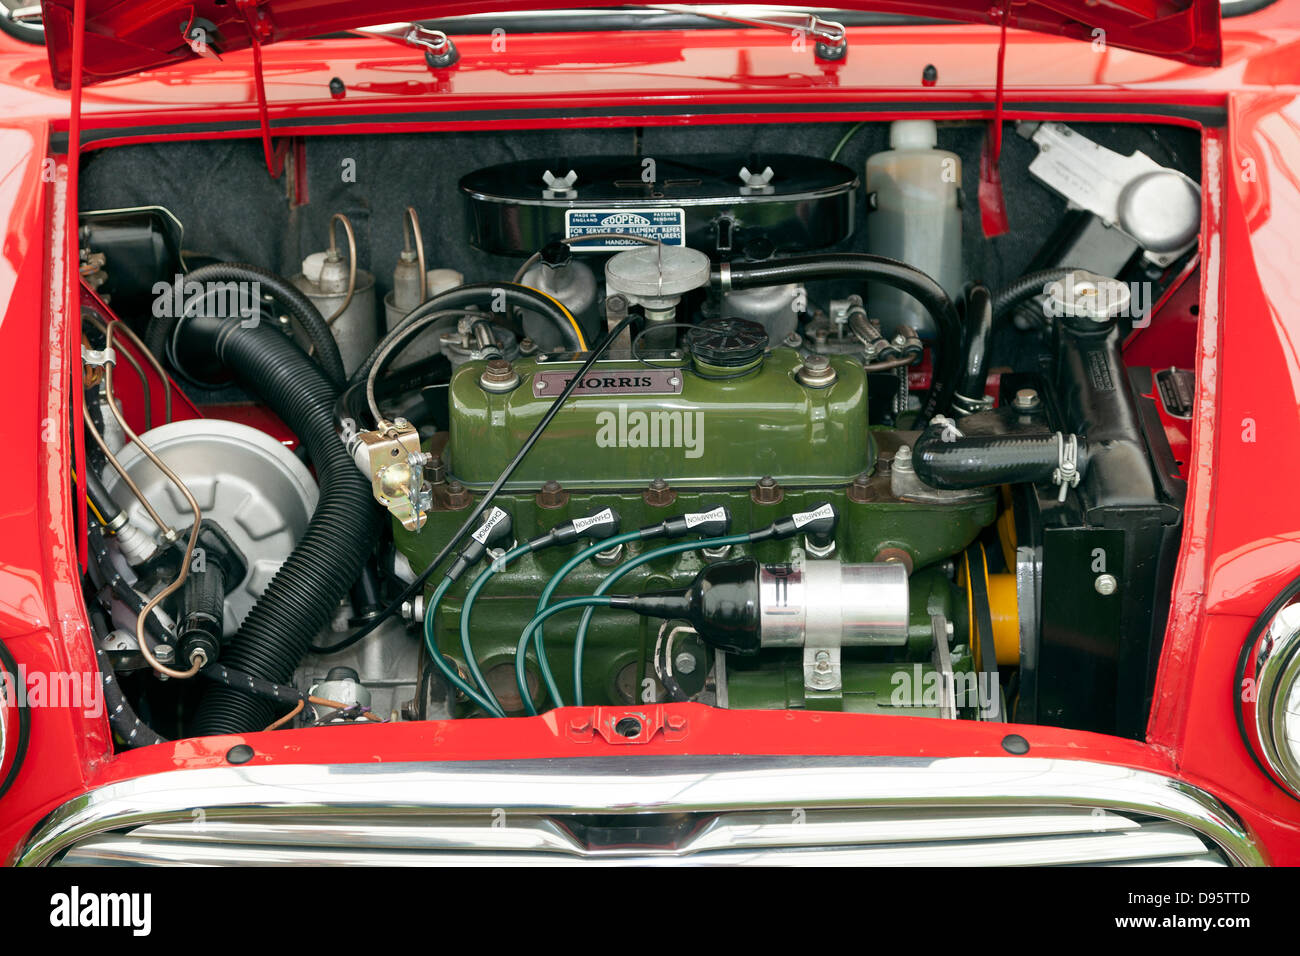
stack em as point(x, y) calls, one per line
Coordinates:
point(127, 36)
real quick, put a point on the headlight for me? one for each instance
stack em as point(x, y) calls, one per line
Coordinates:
point(1268, 694)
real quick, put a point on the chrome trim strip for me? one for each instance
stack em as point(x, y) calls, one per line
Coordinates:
point(637, 785)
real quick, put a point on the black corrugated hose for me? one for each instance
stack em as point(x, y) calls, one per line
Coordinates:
point(287, 295)
point(853, 265)
point(305, 592)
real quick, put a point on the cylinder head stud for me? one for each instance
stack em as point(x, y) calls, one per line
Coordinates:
point(766, 491)
point(903, 459)
point(659, 494)
point(456, 496)
point(551, 495)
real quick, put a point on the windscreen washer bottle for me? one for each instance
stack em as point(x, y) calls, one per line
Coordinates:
point(914, 216)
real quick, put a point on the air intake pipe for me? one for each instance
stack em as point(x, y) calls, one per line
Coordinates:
point(304, 593)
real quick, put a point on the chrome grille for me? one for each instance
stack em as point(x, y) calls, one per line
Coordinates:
point(942, 837)
point(650, 811)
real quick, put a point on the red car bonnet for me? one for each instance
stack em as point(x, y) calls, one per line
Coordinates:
point(124, 37)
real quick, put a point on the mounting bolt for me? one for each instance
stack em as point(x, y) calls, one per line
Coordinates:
point(685, 663)
point(816, 372)
point(1106, 584)
point(1026, 399)
point(498, 376)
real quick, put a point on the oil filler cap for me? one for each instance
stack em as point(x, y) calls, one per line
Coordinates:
point(722, 348)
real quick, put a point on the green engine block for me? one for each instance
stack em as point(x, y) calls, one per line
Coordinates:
point(815, 445)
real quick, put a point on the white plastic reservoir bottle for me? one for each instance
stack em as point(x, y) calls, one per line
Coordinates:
point(916, 219)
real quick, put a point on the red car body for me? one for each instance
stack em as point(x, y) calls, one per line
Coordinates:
point(1241, 539)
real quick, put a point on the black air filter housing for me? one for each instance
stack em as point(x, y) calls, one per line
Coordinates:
point(806, 203)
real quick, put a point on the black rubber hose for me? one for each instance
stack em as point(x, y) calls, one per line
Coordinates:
point(122, 717)
point(889, 272)
point(491, 295)
point(979, 331)
point(1025, 288)
point(305, 592)
point(98, 496)
point(976, 461)
point(289, 297)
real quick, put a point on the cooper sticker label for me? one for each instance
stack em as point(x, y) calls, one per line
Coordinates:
point(699, 517)
point(666, 225)
point(600, 517)
point(484, 531)
point(805, 517)
point(630, 381)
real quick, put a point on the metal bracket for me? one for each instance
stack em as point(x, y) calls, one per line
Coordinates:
point(942, 660)
point(906, 484)
point(98, 357)
point(439, 51)
point(396, 466)
point(822, 675)
point(830, 41)
point(627, 726)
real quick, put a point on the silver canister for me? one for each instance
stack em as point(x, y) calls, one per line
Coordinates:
point(825, 601)
point(324, 280)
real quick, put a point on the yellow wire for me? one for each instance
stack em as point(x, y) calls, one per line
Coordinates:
point(567, 314)
point(88, 501)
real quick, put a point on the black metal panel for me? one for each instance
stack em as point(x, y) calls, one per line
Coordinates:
point(810, 204)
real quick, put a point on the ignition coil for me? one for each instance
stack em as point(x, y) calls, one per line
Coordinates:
point(742, 606)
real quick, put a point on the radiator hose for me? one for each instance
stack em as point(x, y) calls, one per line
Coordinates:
point(850, 265)
point(307, 589)
point(953, 461)
point(979, 334)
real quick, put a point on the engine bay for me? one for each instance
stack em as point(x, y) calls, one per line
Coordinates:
point(447, 426)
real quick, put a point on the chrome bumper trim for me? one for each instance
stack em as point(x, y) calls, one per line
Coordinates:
point(333, 806)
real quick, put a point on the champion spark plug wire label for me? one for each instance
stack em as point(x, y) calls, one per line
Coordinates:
point(807, 517)
point(700, 517)
point(484, 531)
point(601, 517)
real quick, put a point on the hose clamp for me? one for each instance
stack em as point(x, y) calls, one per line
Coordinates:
point(1066, 473)
point(724, 276)
point(966, 405)
point(948, 430)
